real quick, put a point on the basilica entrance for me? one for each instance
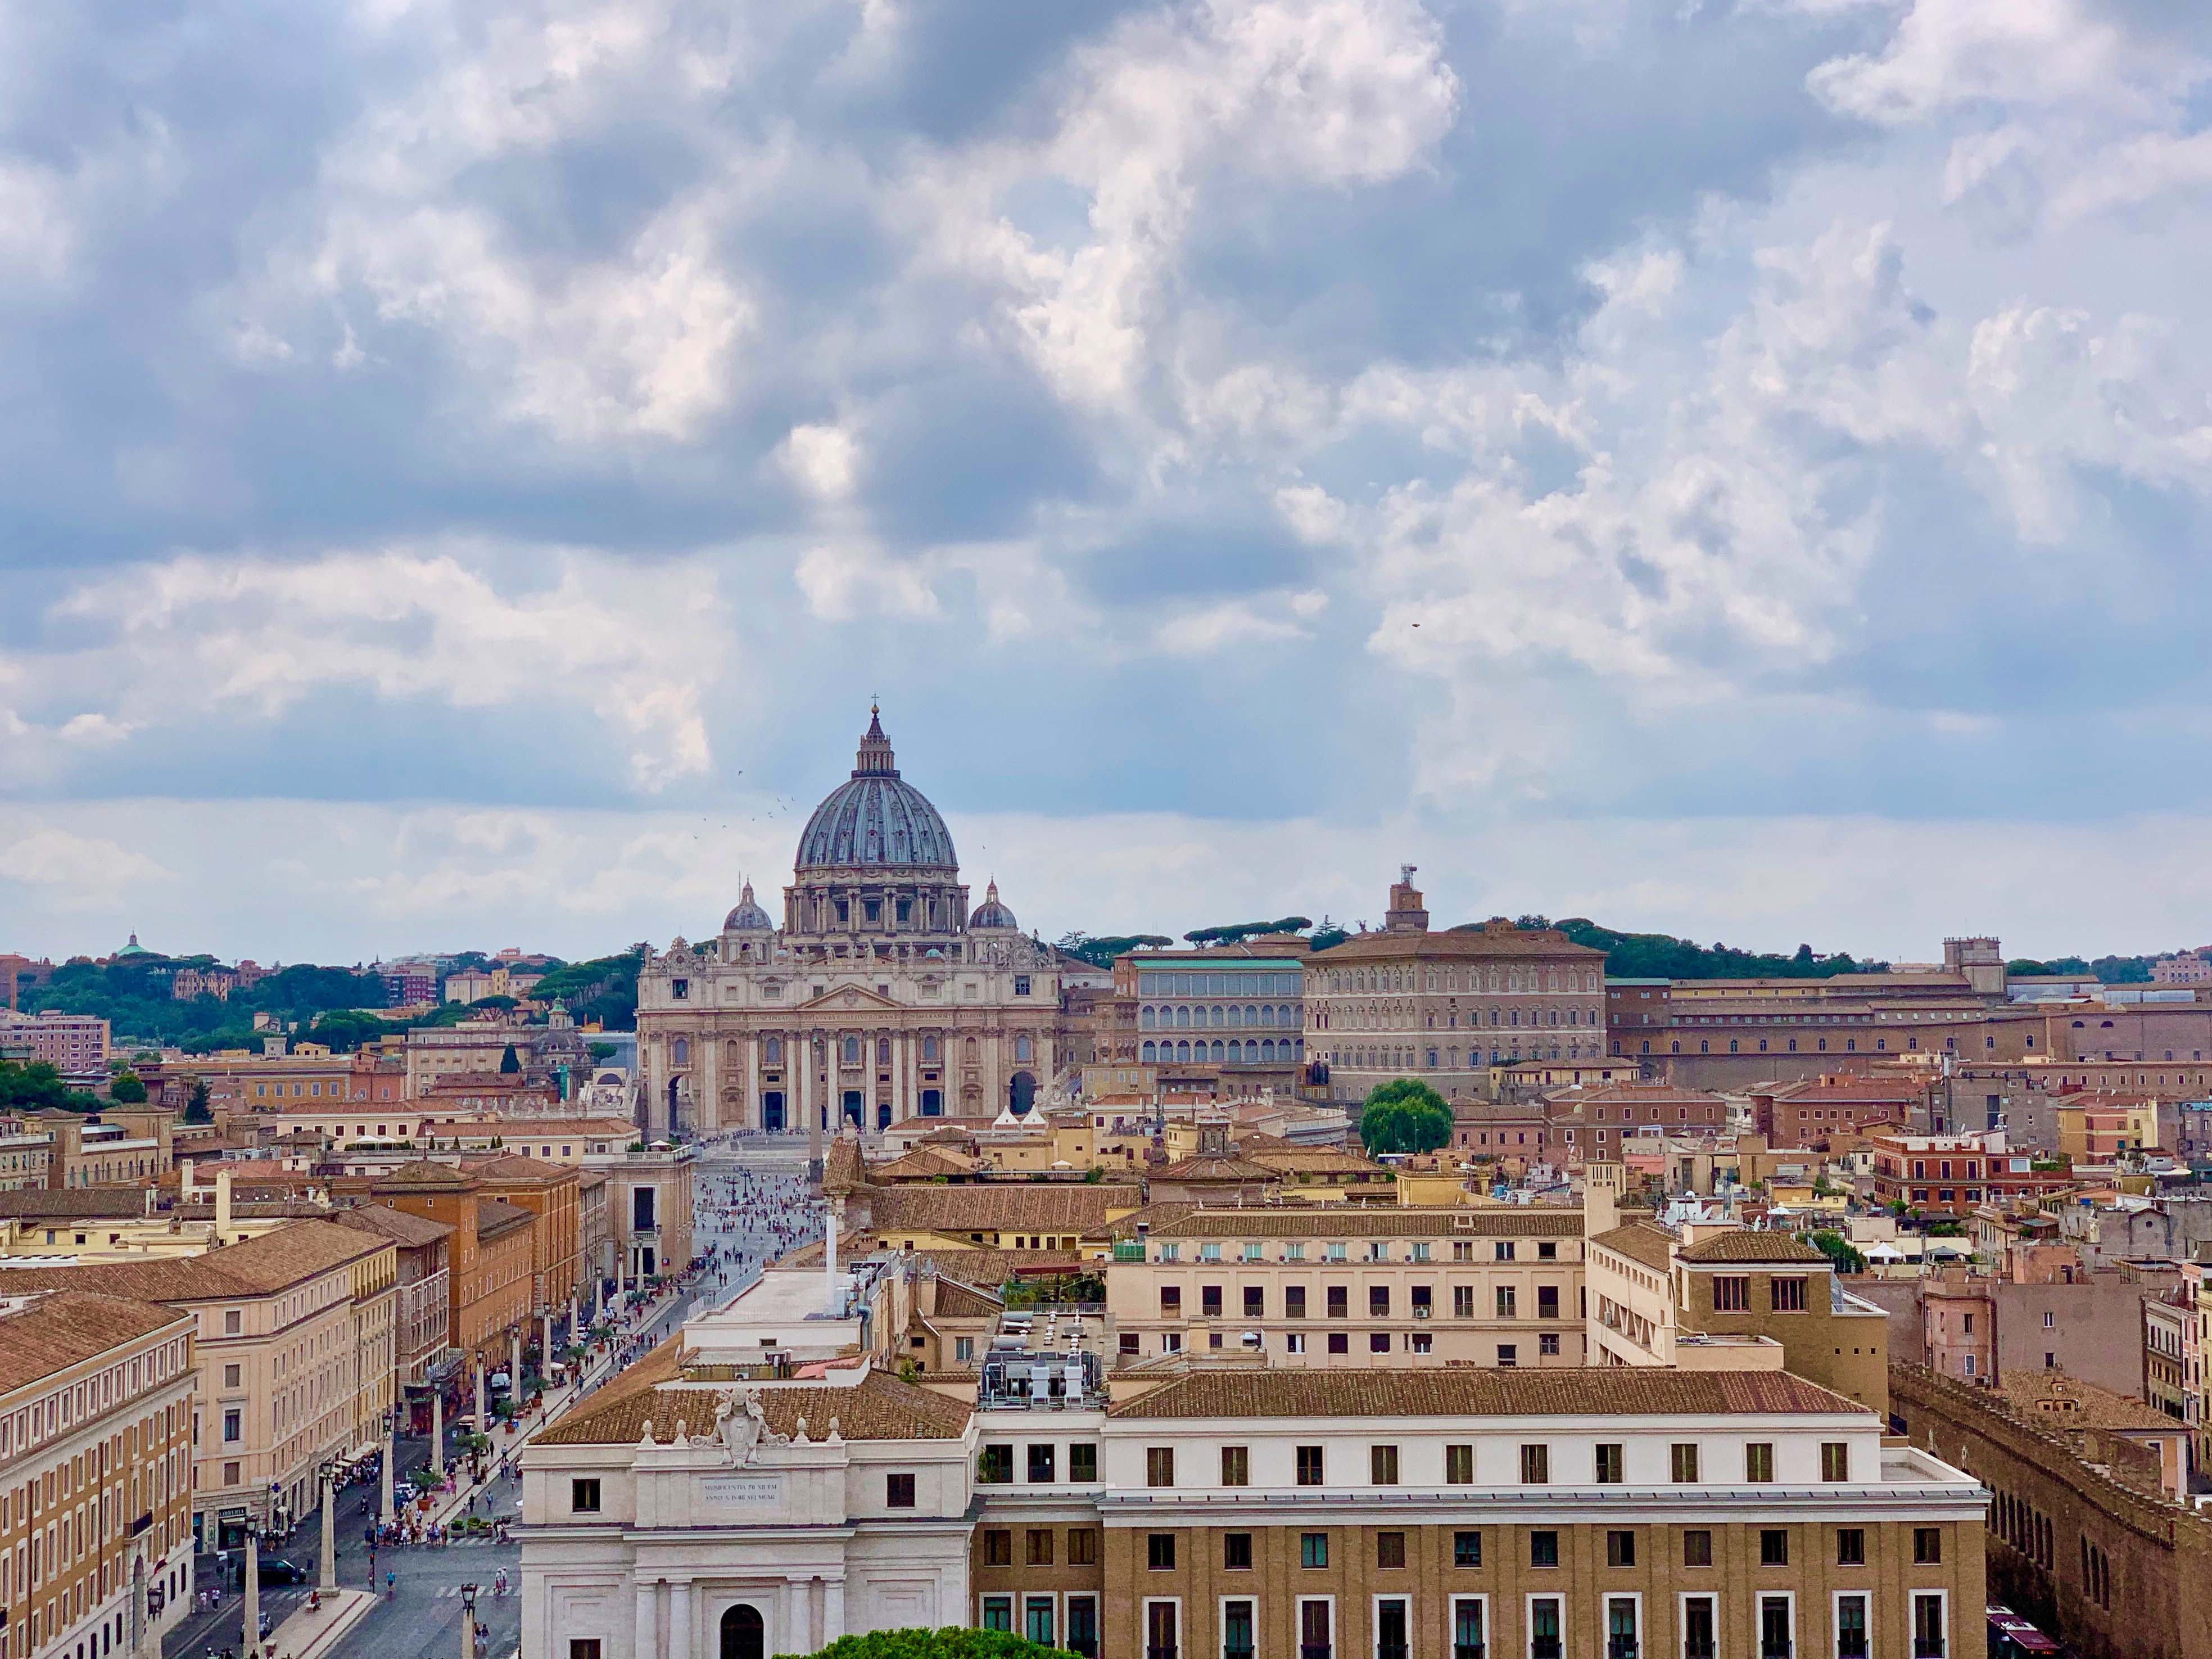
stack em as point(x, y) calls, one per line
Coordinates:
point(932, 1102)
point(1021, 1090)
point(772, 1109)
point(882, 1115)
point(744, 1637)
point(852, 1106)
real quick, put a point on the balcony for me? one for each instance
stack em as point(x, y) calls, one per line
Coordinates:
point(1315, 1650)
point(1543, 1647)
point(1155, 1652)
point(1698, 1650)
point(1470, 1650)
point(1391, 1650)
point(1927, 1647)
point(1621, 1647)
point(1128, 1249)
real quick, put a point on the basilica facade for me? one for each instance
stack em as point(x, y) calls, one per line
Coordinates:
point(878, 997)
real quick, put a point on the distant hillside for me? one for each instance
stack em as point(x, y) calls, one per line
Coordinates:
point(1659, 956)
point(133, 996)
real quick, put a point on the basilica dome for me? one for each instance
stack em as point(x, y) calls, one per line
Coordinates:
point(748, 917)
point(876, 820)
point(992, 913)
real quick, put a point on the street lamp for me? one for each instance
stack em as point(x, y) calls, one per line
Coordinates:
point(391, 1458)
point(468, 1621)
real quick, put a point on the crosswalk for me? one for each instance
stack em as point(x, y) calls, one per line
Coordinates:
point(446, 1591)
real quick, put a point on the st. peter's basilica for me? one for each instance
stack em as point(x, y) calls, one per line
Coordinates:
point(880, 997)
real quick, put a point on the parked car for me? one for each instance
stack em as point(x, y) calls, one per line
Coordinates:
point(275, 1570)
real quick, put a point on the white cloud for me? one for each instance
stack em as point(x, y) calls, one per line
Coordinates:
point(1269, 619)
point(69, 873)
point(822, 460)
point(197, 634)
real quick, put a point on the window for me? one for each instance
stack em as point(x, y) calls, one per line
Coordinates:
point(1209, 1301)
point(1544, 1549)
point(1236, 1630)
point(1159, 1466)
point(1159, 1552)
point(1548, 1302)
point(1835, 1460)
point(1041, 1465)
point(1548, 1343)
point(1697, 1548)
point(994, 1466)
point(1759, 1461)
point(1314, 1629)
point(233, 1425)
point(1698, 1628)
point(1851, 1546)
point(584, 1647)
point(1927, 1547)
point(1502, 1251)
point(1036, 1620)
point(1544, 1627)
point(1294, 1302)
point(1237, 1551)
point(1462, 1302)
point(1851, 1627)
point(1040, 1546)
point(1389, 1549)
point(1535, 1465)
point(999, 1613)
point(1466, 1628)
point(1256, 1302)
point(1340, 1302)
point(1610, 1470)
point(1621, 1626)
point(1928, 1624)
point(1787, 1295)
point(584, 1496)
point(998, 1547)
point(1083, 1462)
point(1382, 1466)
point(1620, 1548)
point(1508, 1356)
point(1731, 1294)
point(1774, 1546)
point(1313, 1549)
point(1685, 1455)
point(1160, 1630)
point(1378, 1301)
point(1467, 1549)
point(230, 1376)
point(1459, 1466)
point(1340, 1342)
point(1310, 1466)
point(230, 1323)
point(1082, 1546)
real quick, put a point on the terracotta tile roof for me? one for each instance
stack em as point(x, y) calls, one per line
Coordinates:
point(957, 1301)
point(1043, 1207)
point(1743, 1244)
point(73, 1203)
point(1595, 1390)
point(1641, 1241)
point(922, 1164)
point(424, 1174)
point(877, 1407)
point(395, 1224)
point(64, 1327)
point(1638, 1094)
point(1211, 1166)
point(843, 1167)
point(2054, 1399)
point(1473, 942)
point(1346, 1221)
point(282, 1257)
point(513, 1169)
point(1874, 1091)
point(495, 1217)
point(1317, 1160)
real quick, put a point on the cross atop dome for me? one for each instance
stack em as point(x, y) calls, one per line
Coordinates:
point(875, 758)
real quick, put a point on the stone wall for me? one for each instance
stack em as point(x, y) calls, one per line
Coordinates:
point(2058, 1511)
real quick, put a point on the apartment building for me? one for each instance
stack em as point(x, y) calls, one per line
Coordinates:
point(1728, 1299)
point(76, 1045)
point(423, 1348)
point(27, 1156)
point(1954, 1174)
point(1243, 1510)
point(293, 1354)
point(491, 1256)
point(1346, 1286)
point(549, 1192)
point(95, 1473)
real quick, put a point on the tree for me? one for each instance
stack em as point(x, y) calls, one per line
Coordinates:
point(196, 1107)
point(509, 1066)
point(1326, 938)
point(1839, 1251)
point(127, 1091)
point(37, 1086)
point(953, 1642)
point(1404, 1115)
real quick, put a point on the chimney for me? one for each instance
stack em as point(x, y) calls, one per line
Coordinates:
point(185, 1181)
point(222, 1206)
point(829, 1256)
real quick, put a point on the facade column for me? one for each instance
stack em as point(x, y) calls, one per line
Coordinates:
point(707, 1085)
point(437, 1425)
point(898, 1076)
point(646, 1645)
point(679, 1619)
point(833, 1610)
point(753, 1117)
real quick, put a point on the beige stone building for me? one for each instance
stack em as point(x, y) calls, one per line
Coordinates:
point(294, 1352)
point(1445, 1007)
point(1385, 1289)
point(95, 1473)
point(879, 997)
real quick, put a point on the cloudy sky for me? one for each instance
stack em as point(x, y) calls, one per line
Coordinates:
point(1738, 467)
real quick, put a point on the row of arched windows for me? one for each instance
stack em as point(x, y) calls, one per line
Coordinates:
point(1387, 1016)
point(1356, 980)
point(1432, 1059)
point(1236, 1051)
point(1182, 1016)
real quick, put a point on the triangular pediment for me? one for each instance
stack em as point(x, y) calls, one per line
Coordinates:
point(854, 999)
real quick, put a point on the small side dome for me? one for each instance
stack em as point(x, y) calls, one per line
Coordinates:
point(748, 917)
point(992, 914)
